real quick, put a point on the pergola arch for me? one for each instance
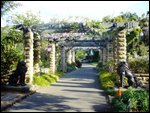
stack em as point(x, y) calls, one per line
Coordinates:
point(68, 39)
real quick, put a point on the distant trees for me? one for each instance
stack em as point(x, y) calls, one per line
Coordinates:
point(107, 19)
point(123, 17)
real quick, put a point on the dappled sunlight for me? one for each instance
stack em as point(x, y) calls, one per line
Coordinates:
point(73, 62)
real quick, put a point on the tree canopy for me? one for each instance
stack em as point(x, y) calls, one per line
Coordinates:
point(7, 6)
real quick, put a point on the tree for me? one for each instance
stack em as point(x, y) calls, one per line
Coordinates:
point(10, 54)
point(129, 16)
point(7, 6)
point(106, 19)
point(118, 19)
point(80, 54)
point(28, 19)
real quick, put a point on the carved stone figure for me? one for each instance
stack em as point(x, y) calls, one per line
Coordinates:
point(123, 70)
point(18, 77)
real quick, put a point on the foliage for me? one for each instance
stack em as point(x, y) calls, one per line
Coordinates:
point(44, 58)
point(7, 6)
point(144, 21)
point(10, 54)
point(135, 44)
point(123, 17)
point(99, 66)
point(106, 19)
point(80, 54)
point(109, 65)
point(78, 63)
point(139, 66)
point(94, 28)
point(46, 79)
point(118, 105)
point(71, 67)
point(107, 79)
point(110, 91)
point(118, 19)
point(44, 54)
point(89, 27)
point(28, 19)
point(132, 38)
point(142, 49)
point(131, 99)
point(95, 56)
point(94, 63)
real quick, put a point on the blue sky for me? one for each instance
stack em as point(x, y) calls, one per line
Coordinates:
point(91, 9)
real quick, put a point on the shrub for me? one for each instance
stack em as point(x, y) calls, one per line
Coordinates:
point(107, 79)
point(135, 100)
point(78, 63)
point(46, 79)
point(119, 105)
point(100, 64)
point(71, 67)
point(139, 66)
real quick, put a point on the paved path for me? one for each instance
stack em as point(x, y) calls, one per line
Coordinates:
point(78, 91)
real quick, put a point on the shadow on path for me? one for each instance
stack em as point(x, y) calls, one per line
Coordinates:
point(77, 91)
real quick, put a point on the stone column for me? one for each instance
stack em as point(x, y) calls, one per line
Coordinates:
point(63, 59)
point(100, 55)
point(52, 58)
point(109, 52)
point(69, 56)
point(73, 56)
point(36, 52)
point(28, 51)
point(104, 55)
point(121, 46)
point(115, 53)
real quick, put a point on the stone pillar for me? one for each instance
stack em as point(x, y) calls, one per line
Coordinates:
point(63, 59)
point(121, 46)
point(73, 56)
point(109, 52)
point(115, 53)
point(69, 56)
point(100, 55)
point(104, 55)
point(36, 52)
point(28, 51)
point(52, 58)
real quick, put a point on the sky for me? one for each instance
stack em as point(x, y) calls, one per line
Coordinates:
point(91, 9)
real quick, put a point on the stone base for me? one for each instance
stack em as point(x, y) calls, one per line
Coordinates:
point(24, 89)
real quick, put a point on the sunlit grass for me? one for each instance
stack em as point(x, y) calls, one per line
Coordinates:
point(94, 63)
point(46, 79)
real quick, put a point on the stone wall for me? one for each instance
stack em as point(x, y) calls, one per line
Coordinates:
point(143, 80)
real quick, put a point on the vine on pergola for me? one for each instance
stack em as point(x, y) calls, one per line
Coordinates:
point(68, 30)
